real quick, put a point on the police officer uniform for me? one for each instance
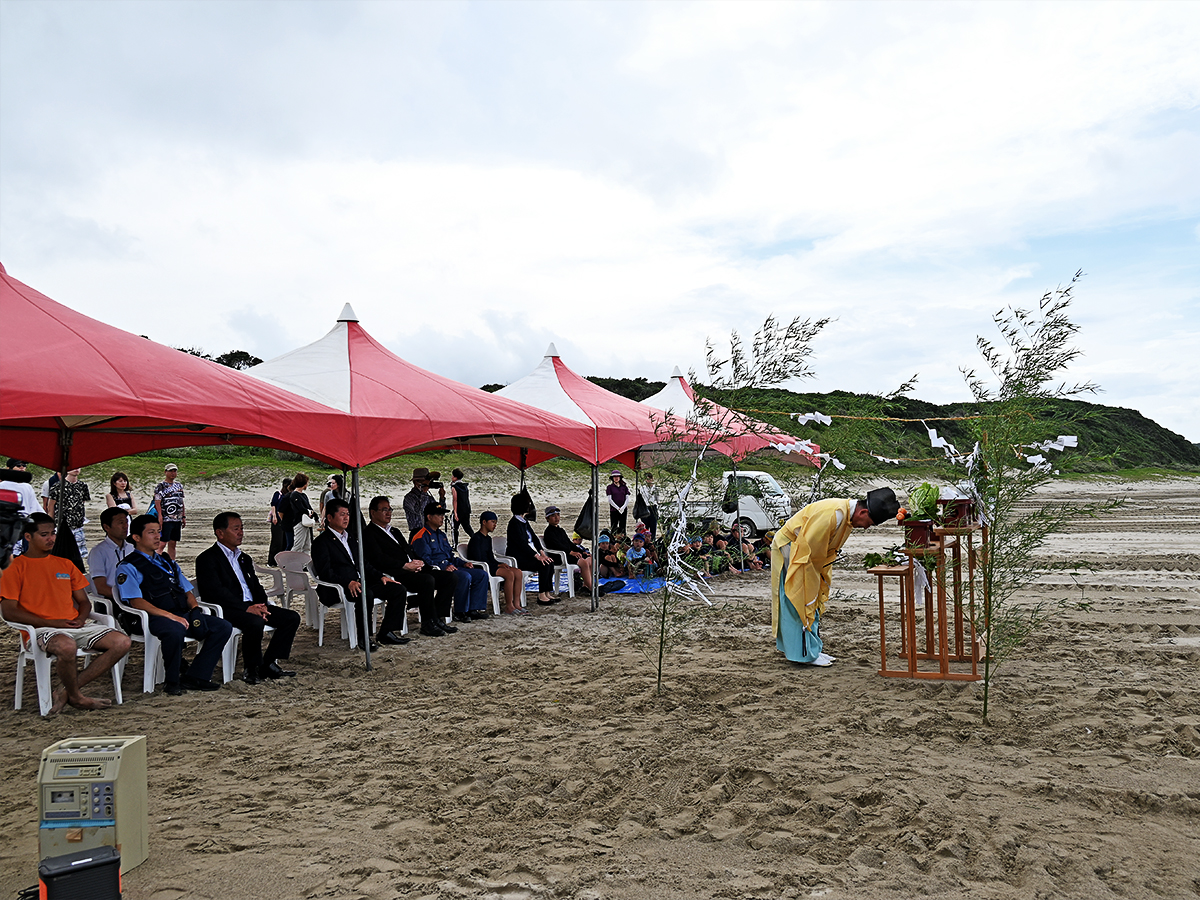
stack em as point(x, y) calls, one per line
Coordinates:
point(159, 581)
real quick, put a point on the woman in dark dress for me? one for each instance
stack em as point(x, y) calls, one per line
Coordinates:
point(280, 536)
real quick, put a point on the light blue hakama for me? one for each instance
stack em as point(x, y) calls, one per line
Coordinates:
point(797, 643)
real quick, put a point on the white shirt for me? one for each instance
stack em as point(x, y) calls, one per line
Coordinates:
point(105, 557)
point(344, 537)
point(232, 556)
point(29, 500)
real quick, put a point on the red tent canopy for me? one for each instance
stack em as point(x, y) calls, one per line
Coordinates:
point(622, 425)
point(75, 390)
point(398, 407)
point(744, 435)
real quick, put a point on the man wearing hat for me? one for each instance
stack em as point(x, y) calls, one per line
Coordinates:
point(431, 545)
point(416, 500)
point(802, 554)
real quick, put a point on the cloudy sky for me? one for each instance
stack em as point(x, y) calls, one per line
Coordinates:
point(624, 179)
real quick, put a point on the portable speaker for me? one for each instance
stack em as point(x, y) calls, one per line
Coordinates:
point(83, 875)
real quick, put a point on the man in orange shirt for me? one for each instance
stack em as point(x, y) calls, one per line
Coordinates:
point(48, 592)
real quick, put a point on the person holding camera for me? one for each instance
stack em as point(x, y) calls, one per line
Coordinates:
point(417, 499)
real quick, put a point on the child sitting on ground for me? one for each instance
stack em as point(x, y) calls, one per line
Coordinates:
point(637, 559)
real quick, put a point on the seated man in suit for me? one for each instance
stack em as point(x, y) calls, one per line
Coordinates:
point(151, 581)
point(526, 548)
point(471, 582)
point(335, 559)
point(388, 551)
point(226, 577)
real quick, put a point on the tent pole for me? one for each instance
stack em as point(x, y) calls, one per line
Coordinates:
point(363, 602)
point(595, 534)
point(60, 514)
point(636, 463)
point(737, 510)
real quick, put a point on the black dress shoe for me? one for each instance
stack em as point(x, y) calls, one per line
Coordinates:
point(394, 638)
point(462, 617)
point(446, 629)
point(373, 647)
point(478, 614)
point(174, 688)
point(198, 684)
point(272, 670)
point(432, 631)
point(250, 677)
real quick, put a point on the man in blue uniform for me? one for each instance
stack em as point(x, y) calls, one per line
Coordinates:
point(471, 587)
point(152, 581)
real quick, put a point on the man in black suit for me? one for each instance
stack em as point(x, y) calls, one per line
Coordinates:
point(388, 551)
point(225, 576)
point(335, 558)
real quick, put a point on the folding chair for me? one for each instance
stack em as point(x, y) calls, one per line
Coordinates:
point(28, 650)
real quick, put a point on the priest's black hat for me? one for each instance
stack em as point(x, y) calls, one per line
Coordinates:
point(882, 504)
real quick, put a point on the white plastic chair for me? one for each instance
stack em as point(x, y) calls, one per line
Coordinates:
point(294, 568)
point(499, 545)
point(229, 654)
point(27, 650)
point(154, 672)
point(563, 566)
point(277, 588)
point(348, 609)
point(494, 581)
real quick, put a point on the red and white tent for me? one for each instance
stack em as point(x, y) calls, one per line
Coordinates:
point(75, 391)
point(397, 407)
point(620, 425)
point(744, 435)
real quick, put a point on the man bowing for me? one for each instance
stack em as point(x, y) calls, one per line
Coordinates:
point(802, 554)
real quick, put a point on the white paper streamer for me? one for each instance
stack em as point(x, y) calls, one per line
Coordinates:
point(805, 418)
point(920, 584)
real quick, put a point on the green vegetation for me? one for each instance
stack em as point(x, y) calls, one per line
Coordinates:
point(1127, 437)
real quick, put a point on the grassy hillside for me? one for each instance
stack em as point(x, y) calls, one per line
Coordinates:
point(1115, 439)
point(1124, 438)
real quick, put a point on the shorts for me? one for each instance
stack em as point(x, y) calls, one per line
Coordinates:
point(171, 531)
point(85, 638)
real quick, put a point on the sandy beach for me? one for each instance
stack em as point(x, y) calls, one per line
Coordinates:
point(529, 757)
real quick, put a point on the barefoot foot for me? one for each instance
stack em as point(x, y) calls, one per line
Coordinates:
point(82, 702)
point(60, 700)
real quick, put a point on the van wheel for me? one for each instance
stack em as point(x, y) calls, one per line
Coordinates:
point(748, 529)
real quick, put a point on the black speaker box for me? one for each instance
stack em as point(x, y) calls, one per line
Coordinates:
point(83, 875)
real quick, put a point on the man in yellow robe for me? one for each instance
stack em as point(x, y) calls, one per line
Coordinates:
point(802, 554)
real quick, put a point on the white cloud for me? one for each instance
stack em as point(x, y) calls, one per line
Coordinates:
point(625, 180)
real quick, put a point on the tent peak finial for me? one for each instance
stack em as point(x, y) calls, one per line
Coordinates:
point(347, 314)
point(552, 350)
point(675, 373)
